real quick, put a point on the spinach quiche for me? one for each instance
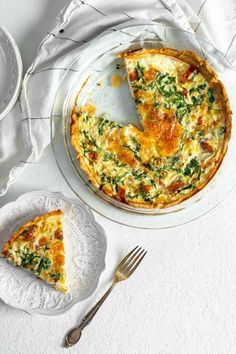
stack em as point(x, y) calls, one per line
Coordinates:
point(186, 119)
point(38, 247)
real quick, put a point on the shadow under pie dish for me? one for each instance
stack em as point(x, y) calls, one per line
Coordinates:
point(186, 118)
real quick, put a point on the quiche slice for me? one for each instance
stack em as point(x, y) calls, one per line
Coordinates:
point(186, 120)
point(38, 247)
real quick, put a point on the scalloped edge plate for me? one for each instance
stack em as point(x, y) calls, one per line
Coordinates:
point(29, 300)
point(11, 60)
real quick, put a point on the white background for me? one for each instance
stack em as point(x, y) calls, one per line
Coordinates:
point(183, 297)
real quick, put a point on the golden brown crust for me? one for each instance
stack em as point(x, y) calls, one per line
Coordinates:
point(74, 132)
point(210, 75)
point(26, 226)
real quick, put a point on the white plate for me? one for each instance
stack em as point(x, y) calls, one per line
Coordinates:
point(85, 246)
point(10, 72)
point(97, 63)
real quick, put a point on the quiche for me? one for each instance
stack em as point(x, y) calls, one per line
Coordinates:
point(38, 247)
point(186, 120)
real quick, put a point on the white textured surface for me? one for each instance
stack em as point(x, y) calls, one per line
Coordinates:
point(181, 300)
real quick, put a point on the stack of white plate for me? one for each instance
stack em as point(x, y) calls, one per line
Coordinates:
point(10, 72)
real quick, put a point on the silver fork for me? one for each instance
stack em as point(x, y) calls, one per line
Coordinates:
point(123, 271)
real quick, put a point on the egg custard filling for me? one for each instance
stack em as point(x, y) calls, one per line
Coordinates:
point(186, 119)
point(38, 247)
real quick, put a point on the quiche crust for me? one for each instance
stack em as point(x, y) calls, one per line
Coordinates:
point(75, 133)
point(24, 242)
point(214, 83)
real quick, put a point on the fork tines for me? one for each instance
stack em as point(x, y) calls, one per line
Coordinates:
point(132, 261)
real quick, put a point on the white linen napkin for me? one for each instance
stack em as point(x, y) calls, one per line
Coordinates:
point(25, 134)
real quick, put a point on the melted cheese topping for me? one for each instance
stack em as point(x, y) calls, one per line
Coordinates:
point(179, 147)
point(38, 247)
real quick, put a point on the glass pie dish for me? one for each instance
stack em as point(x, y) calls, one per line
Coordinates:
point(90, 76)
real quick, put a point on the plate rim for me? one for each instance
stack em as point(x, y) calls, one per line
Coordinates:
point(98, 274)
point(19, 64)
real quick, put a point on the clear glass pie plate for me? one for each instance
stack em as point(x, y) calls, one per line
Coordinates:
point(90, 75)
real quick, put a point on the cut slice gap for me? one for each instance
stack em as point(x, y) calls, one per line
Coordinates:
point(184, 111)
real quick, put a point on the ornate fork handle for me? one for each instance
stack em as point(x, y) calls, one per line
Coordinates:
point(123, 271)
point(74, 335)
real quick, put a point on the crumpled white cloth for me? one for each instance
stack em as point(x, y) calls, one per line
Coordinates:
point(25, 132)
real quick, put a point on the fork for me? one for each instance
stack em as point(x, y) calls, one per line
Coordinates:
point(123, 271)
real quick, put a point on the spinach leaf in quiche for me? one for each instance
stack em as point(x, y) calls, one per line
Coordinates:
point(186, 188)
point(44, 264)
point(104, 123)
point(221, 130)
point(197, 89)
point(165, 79)
point(211, 95)
point(138, 101)
point(85, 148)
point(105, 179)
point(90, 141)
point(175, 159)
point(173, 98)
point(191, 168)
point(134, 148)
point(139, 70)
point(197, 100)
point(108, 156)
point(56, 276)
point(28, 258)
point(138, 174)
point(101, 125)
